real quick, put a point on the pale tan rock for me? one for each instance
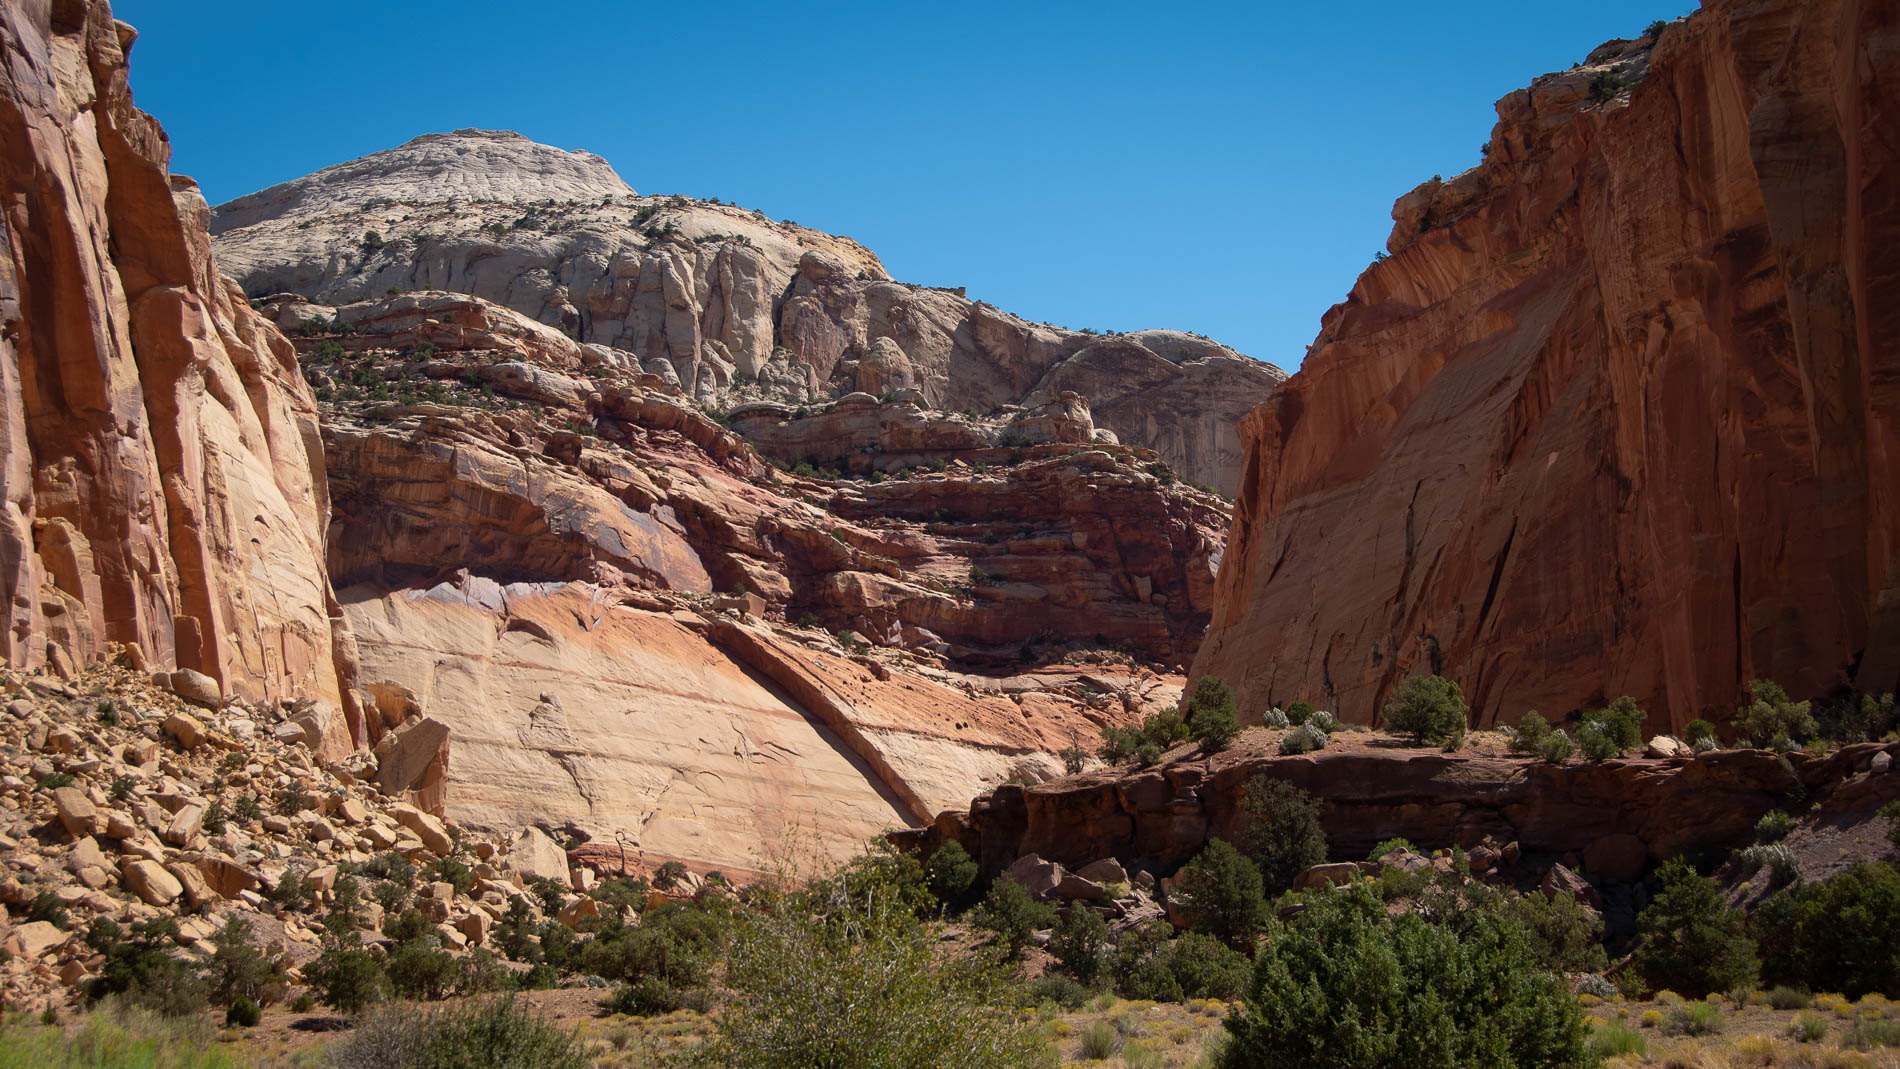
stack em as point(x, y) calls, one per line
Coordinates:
point(415, 758)
point(35, 938)
point(225, 876)
point(76, 812)
point(151, 882)
point(1336, 874)
point(534, 855)
point(185, 825)
point(185, 729)
point(86, 854)
point(426, 828)
point(198, 689)
point(197, 891)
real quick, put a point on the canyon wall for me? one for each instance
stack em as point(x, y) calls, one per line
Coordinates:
point(161, 475)
point(1617, 415)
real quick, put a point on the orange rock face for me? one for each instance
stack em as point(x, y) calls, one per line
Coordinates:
point(160, 471)
point(1618, 414)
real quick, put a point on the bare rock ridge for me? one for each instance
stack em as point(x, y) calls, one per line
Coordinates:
point(728, 304)
point(160, 464)
point(1618, 413)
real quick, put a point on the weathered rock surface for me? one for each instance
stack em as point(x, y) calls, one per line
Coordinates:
point(529, 458)
point(159, 469)
point(1618, 415)
point(1618, 816)
point(718, 300)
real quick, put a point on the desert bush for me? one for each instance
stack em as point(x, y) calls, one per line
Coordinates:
point(1152, 963)
point(1891, 812)
point(1100, 1041)
point(1283, 836)
point(1808, 1027)
point(139, 969)
point(238, 969)
point(1303, 739)
point(243, 1014)
point(1771, 717)
point(1556, 747)
point(494, 1033)
point(1529, 734)
point(1867, 1034)
point(1697, 730)
point(1213, 719)
point(1613, 1040)
point(1428, 708)
point(1298, 712)
point(1623, 720)
point(1605, 85)
point(1222, 893)
point(1699, 1018)
point(1784, 998)
point(1773, 826)
point(347, 980)
point(1775, 857)
point(1347, 984)
point(1010, 915)
point(1690, 941)
point(1146, 743)
point(1835, 935)
point(952, 875)
point(862, 986)
point(1596, 741)
point(1274, 717)
point(1080, 944)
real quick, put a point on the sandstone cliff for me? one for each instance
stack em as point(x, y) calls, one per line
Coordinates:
point(720, 300)
point(160, 464)
point(1618, 413)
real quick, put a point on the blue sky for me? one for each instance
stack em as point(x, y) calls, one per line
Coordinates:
point(1224, 168)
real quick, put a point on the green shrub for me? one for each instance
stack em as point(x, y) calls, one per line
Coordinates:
point(1213, 719)
point(1058, 990)
point(1080, 944)
point(1346, 984)
point(1221, 892)
point(118, 1036)
point(1303, 739)
point(239, 970)
point(139, 968)
point(1391, 846)
point(1776, 858)
point(493, 1033)
point(1866, 1034)
point(1297, 713)
point(1699, 1018)
point(1783, 997)
point(1807, 1027)
point(243, 1014)
point(1773, 826)
point(1614, 1040)
point(1606, 85)
point(1100, 1041)
point(1771, 716)
point(1529, 734)
point(1556, 748)
point(952, 875)
point(1891, 811)
point(863, 988)
point(1835, 935)
point(1282, 833)
point(1428, 708)
point(1697, 730)
point(1011, 915)
point(650, 996)
point(1596, 741)
point(1690, 941)
point(347, 980)
point(1145, 744)
point(1623, 721)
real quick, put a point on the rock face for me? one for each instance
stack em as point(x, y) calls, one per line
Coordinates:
point(721, 301)
point(1618, 816)
point(517, 456)
point(1618, 414)
point(159, 466)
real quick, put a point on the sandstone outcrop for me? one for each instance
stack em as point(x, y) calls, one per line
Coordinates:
point(512, 455)
point(1618, 413)
point(1616, 817)
point(720, 301)
point(159, 459)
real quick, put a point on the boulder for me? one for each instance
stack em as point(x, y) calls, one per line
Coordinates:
point(34, 938)
point(1561, 881)
point(1332, 875)
point(185, 729)
point(414, 758)
point(1039, 876)
point(151, 882)
point(76, 812)
point(533, 854)
point(1665, 746)
point(1105, 871)
point(435, 838)
point(197, 688)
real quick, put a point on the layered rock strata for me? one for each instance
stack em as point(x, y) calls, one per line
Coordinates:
point(160, 466)
point(1618, 413)
point(726, 304)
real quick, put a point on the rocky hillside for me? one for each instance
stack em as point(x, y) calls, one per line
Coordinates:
point(160, 464)
point(1618, 413)
point(718, 299)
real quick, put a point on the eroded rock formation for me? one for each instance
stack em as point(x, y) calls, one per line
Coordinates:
point(1618, 414)
point(718, 300)
point(160, 465)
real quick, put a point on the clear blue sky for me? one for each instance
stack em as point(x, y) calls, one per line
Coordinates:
point(1225, 168)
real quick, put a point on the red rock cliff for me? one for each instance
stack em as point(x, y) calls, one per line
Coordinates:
point(161, 481)
point(1618, 414)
